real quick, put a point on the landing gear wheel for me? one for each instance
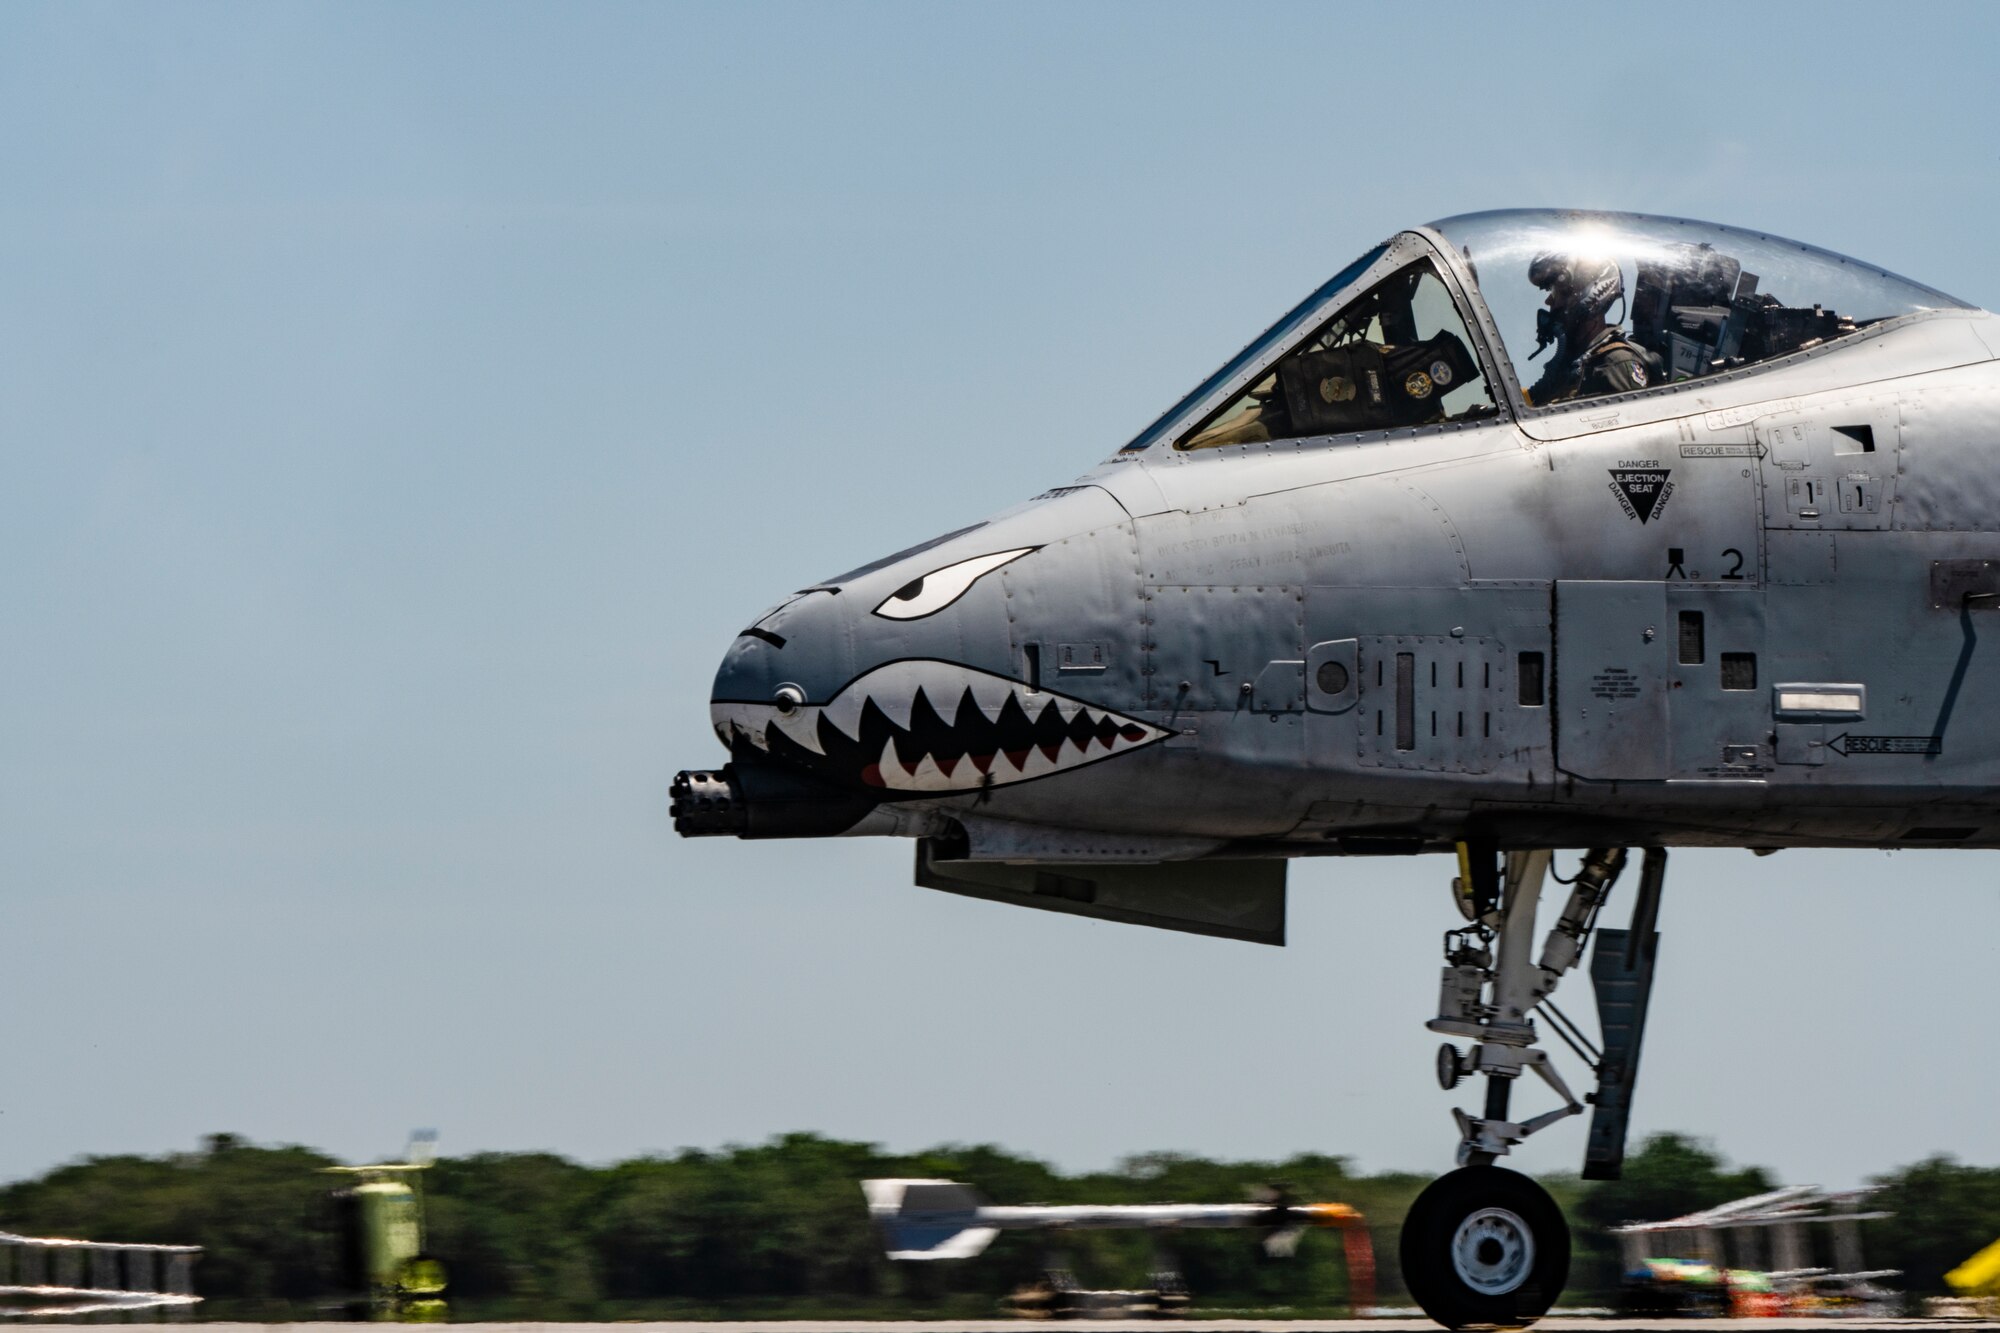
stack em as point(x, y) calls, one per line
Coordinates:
point(1485, 1246)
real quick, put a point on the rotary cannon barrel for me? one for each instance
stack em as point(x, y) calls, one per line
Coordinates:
point(752, 797)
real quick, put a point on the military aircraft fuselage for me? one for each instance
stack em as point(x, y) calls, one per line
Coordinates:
point(1744, 605)
point(1714, 563)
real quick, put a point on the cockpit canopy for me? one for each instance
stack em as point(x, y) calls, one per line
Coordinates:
point(1689, 299)
point(1584, 305)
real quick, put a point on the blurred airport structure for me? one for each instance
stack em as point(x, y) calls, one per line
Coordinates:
point(781, 1230)
point(48, 1277)
point(1758, 1257)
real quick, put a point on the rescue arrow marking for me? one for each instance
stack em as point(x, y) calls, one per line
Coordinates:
point(1844, 744)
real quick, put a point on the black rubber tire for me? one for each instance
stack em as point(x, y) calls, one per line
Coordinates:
point(1508, 1267)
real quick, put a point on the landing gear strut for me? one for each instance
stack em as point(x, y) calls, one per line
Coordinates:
point(1485, 1245)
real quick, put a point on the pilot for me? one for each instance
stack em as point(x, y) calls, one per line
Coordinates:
point(1592, 356)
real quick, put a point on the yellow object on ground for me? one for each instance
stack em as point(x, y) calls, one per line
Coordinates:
point(1978, 1275)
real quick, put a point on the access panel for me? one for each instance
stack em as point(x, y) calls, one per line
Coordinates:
point(1833, 468)
point(1613, 647)
point(1436, 680)
point(1436, 702)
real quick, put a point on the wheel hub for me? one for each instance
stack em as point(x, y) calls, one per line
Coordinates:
point(1493, 1251)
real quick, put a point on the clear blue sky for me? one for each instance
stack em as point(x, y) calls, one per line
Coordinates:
point(401, 407)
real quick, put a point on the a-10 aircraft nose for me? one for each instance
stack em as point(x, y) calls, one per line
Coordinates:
point(776, 661)
point(818, 697)
point(921, 675)
point(769, 677)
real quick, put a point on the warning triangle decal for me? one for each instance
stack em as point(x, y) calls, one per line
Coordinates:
point(1641, 492)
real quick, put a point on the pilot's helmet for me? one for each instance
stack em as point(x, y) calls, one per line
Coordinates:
point(1592, 283)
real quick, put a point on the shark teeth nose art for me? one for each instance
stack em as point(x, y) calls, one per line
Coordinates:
point(932, 726)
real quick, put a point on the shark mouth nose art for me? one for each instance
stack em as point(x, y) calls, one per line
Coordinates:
point(931, 726)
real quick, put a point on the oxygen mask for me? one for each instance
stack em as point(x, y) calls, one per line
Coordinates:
point(1551, 329)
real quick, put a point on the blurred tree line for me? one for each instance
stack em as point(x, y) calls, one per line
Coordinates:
point(780, 1229)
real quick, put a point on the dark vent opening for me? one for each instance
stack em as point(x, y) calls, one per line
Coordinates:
point(1406, 701)
point(1861, 435)
point(1694, 639)
point(1739, 671)
point(1528, 679)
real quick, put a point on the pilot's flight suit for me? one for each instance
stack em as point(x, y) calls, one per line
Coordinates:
point(1611, 364)
point(1614, 364)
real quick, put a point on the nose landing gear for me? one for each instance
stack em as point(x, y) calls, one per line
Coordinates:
point(1485, 1245)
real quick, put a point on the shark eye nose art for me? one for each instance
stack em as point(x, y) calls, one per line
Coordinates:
point(788, 699)
point(931, 593)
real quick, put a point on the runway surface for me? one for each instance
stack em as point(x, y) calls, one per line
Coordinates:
point(1194, 1324)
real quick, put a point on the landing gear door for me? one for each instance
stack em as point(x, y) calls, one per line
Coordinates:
point(1612, 679)
point(1234, 900)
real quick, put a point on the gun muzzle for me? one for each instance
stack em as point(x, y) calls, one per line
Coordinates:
point(708, 803)
point(754, 797)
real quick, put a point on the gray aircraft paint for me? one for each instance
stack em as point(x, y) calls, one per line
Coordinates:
point(1182, 604)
